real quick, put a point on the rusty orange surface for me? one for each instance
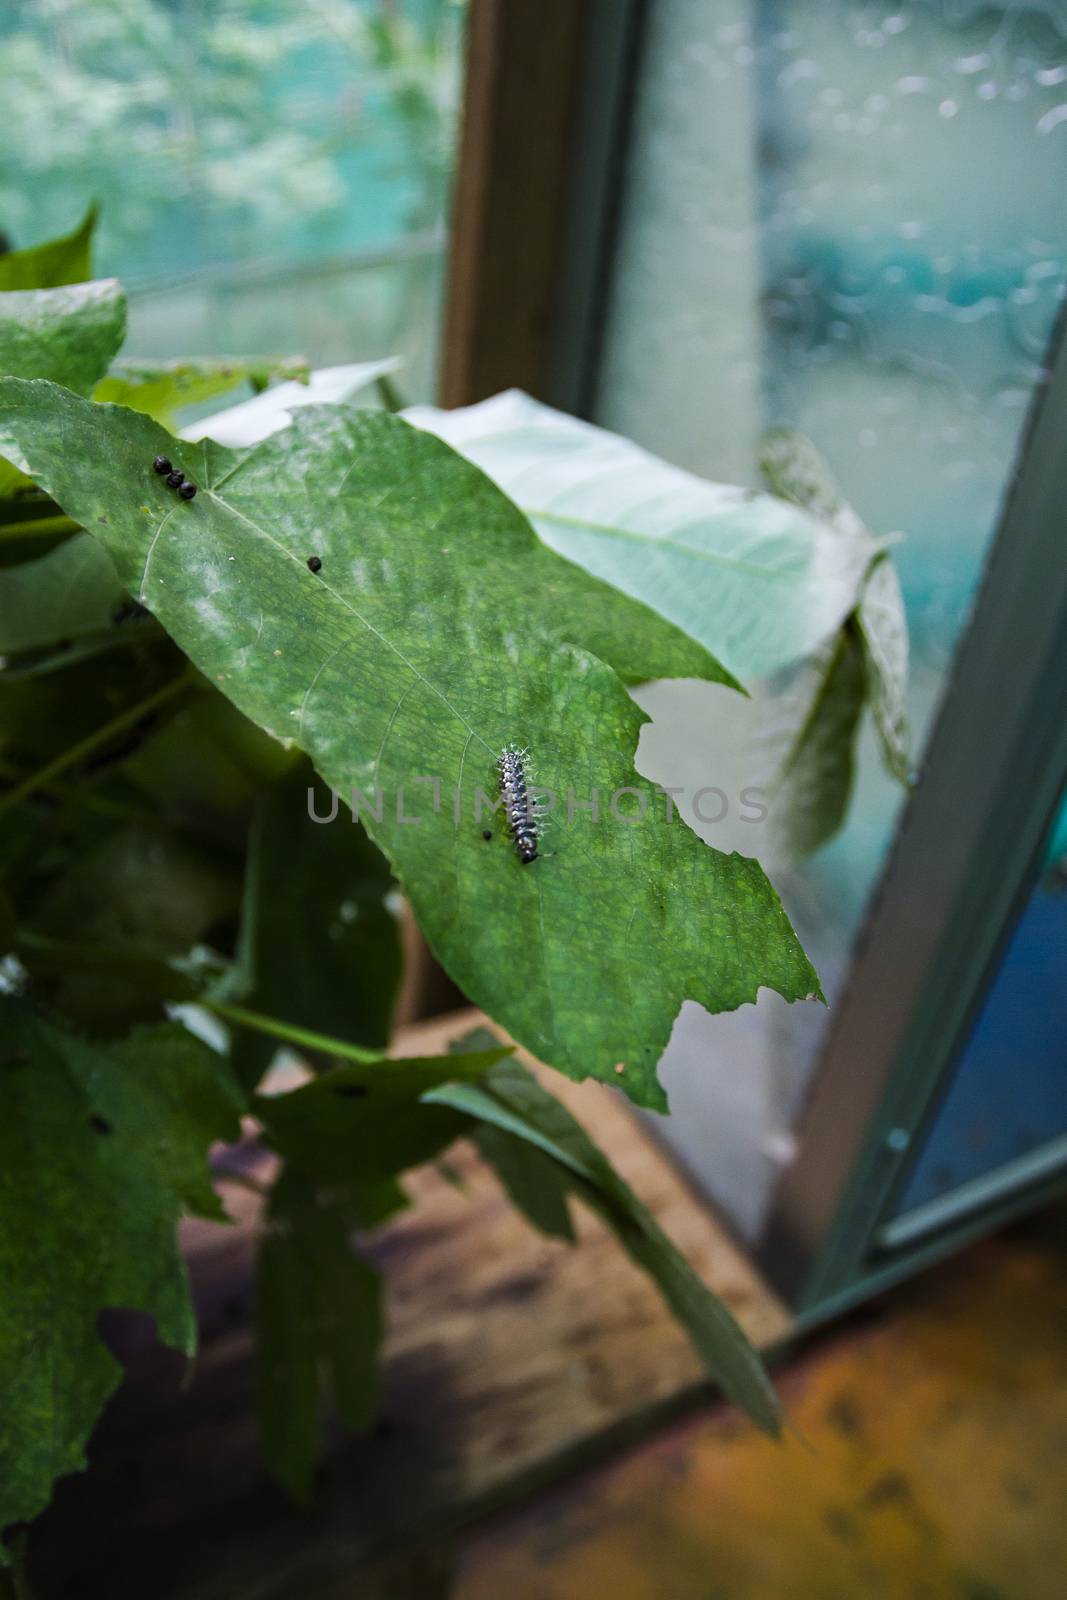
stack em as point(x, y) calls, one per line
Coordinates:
point(931, 1463)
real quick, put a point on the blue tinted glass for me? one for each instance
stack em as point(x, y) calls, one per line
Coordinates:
point(1009, 1092)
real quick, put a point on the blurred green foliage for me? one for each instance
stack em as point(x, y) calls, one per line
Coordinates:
point(280, 128)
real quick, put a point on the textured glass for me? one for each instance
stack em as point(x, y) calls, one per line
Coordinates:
point(848, 219)
point(273, 174)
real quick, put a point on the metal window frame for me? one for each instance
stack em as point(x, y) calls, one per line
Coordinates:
point(965, 854)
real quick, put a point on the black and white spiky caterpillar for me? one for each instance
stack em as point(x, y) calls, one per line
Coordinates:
point(519, 810)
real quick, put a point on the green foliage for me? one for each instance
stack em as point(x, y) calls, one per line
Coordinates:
point(156, 843)
point(343, 1129)
point(319, 946)
point(162, 389)
point(224, 130)
point(805, 743)
point(103, 1147)
point(756, 581)
point(67, 259)
point(344, 1139)
point(318, 1328)
point(68, 334)
point(806, 733)
point(620, 923)
point(69, 593)
point(512, 1102)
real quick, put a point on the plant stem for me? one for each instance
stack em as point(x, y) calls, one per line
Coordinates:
point(92, 741)
point(39, 527)
point(91, 802)
point(389, 394)
point(288, 1032)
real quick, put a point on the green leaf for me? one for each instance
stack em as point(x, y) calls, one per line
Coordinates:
point(536, 1184)
point(319, 945)
point(252, 420)
point(437, 631)
point(883, 628)
point(53, 264)
point(143, 888)
point(162, 389)
point(804, 744)
point(67, 334)
point(68, 593)
point(344, 1138)
point(101, 1149)
point(318, 1329)
point(363, 1123)
point(794, 469)
point(511, 1100)
point(758, 583)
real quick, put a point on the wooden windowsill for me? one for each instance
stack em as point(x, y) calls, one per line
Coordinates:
point(509, 1360)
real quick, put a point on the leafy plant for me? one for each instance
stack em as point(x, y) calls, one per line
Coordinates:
point(346, 608)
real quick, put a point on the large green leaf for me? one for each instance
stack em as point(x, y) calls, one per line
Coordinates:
point(162, 389)
point(511, 1101)
point(319, 944)
point(758, 582)
point(67, 259)
point(101, 1149)
point(70, 592)
point(358, 1126)
point(66, 334)
point(438, 630)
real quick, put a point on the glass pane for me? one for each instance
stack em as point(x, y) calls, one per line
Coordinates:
point(846, 218)
point(273, 175)
point(1008, 1096)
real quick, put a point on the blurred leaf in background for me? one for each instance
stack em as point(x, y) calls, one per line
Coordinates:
point(242, 130)
point(807, 720)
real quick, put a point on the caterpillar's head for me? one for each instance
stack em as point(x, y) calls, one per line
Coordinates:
point(526, 845)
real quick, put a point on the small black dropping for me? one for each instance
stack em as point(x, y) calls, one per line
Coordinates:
point(99, 1124)
point(161, 465)
point(175, 478)
point(187, 490)
point(487, 833)
point(314, 564)
point(351, 1091)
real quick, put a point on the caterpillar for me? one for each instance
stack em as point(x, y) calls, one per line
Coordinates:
point(518, 807)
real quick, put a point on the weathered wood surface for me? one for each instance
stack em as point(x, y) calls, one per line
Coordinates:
point(929, 1462)
point(509, 1360)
